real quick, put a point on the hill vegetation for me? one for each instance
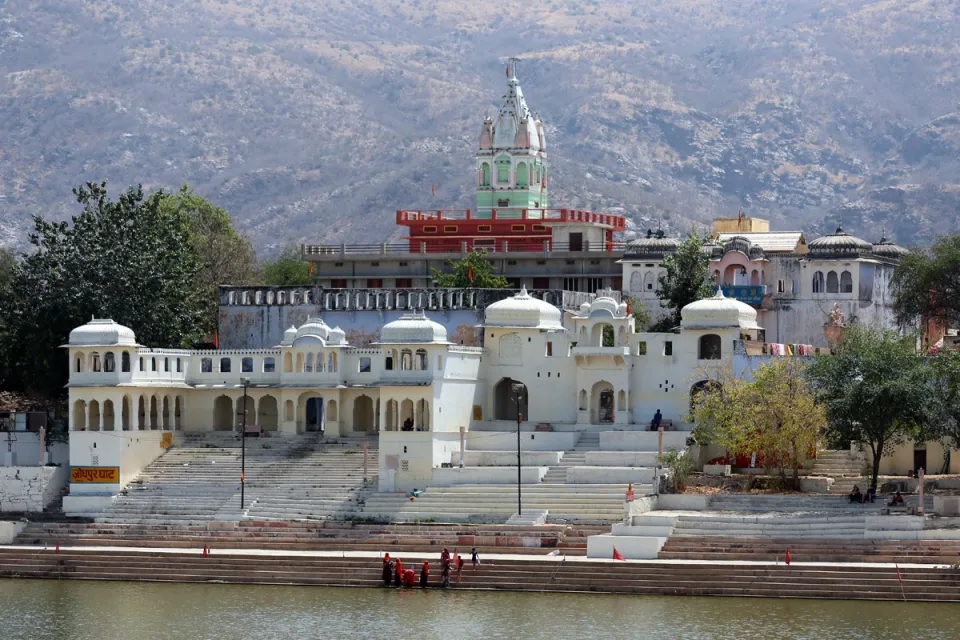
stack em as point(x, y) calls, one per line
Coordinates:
point(314, 121)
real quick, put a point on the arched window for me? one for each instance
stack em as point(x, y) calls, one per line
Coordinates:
point(406, 360)
point(179, 366)
point(269, 365)
point(710, 348)
point(288, 362)
point(125, 362)
point(422, 362)
point(206, 365)
point(95, 362)
point(485, 175)
point(583, 400)
point(833, 284)
point(166, 364)
point(109, 362)
point(246, 365)
point(153, 364)
point(522, 174)
point(636, 282)
point(224, 365)
point(299, 363)
point(80, 362)
point(755, 278)
point(308, 364)
point(333, 364)
point(321, 363)
point(846, 282)
point(648, 281)
point(389, 360)
point(818, 282)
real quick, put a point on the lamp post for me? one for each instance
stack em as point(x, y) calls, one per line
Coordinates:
point(518, 389)
point(243, 441)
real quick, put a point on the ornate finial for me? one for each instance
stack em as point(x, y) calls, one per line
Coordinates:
point(513, 67)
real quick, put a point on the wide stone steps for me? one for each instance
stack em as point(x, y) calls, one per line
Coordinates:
point(533, 574)
point(789, 503)
point(743, 548)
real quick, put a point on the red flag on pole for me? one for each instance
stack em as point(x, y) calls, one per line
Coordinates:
point(310, 268)
point(508, 71)
point(216, 340)
point(616, 555)
point(470, 273)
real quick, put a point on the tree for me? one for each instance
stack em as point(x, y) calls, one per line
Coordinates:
point(926, 283)
point(129, 259)
point(287, 269)
point(775, 415)
point(472, 272)
point(686, 280)
point(875, 390)
point(943, 411)
point(224, 257)
point(639, 313)
point(8, 265)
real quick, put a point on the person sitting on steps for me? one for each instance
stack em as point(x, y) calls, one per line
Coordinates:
point(855, 495)
point(655, 423)
point(897, 500)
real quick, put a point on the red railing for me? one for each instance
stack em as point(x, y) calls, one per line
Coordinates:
point(618, 223)
point(495, 246)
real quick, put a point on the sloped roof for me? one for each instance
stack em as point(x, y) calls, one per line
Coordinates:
point(769, 241)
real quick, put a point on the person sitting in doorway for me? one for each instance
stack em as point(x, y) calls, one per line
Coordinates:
point(655, 423)
point(897, 500)
point(855, 495)
point(408, 424)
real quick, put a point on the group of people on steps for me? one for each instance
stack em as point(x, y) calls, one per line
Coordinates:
point(394, 573)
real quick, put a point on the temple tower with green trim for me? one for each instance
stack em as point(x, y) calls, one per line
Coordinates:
point(512, 159)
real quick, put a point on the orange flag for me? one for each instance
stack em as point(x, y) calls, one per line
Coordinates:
point(616, 555)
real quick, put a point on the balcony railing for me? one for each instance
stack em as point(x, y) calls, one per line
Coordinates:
point(747, 293)
point(493, 246)
point(618, 223)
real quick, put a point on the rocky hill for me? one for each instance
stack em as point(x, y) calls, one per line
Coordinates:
point(314, 121)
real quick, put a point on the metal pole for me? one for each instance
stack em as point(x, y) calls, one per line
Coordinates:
point(243, 447)
point(519, 490)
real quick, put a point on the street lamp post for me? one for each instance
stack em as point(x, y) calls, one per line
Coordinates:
point(243, 442)
point(517, 391)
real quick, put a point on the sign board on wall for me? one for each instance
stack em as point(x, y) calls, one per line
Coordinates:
point(166, 440)
point(95, 475)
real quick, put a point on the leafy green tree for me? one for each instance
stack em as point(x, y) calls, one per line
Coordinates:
point(641, 317)
point(875, 389)
point(775, 415)
point(686, 279)
point(472, 272)
point(287, 269)
point(223, 256)
point(926, 283)
point(8, 265)
point(943, 411)
point(130, 259)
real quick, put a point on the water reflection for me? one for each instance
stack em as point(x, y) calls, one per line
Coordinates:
point(37, 610)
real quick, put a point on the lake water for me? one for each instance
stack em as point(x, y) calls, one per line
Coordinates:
point(78, 610)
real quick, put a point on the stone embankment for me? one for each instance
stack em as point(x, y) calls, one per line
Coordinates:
point(498, 572)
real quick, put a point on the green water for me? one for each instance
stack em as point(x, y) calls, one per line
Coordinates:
point(77, 610)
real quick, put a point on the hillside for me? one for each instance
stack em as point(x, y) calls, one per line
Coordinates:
point(314, 121)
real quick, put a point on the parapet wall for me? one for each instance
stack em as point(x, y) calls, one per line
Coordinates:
point(256, 317)
point(30, 489)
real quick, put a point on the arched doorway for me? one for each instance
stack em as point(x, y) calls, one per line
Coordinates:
point(505, 401)
point(154, 413)
point(94, 409)
point(701, 387)
point(601, 402)
point(223, 414)
point(406, 415)
point(178, 413)
point(109, 415)
point(363, 413)
point(125, 413)
point(141, 414)
point(391, 417)
point(313, 415)
point(79, 415)
point(423, 415)
point(268, 413)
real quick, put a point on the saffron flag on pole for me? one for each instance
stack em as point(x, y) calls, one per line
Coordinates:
point(470, 273)
point(508, 71)
point(616, 555)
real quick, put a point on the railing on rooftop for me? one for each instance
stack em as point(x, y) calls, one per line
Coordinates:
point(308, 251)
point(618, 223)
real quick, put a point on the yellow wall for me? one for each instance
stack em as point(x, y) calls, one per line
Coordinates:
point(901, 459)
point(747, 225)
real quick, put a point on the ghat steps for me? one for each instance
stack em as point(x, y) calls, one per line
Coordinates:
point(314, 536)
point(302, 478)
point(740, 548)
point(501, 573)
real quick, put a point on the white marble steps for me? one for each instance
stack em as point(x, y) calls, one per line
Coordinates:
point(832, 527)
point(798, 503)
point(493, 503)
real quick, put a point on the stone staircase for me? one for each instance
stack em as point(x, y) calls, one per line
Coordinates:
point(793, 503)
point(588, 441)
point(287, 478)
point(535, 574)
point(843, 467)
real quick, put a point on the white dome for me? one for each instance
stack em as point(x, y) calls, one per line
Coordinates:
point(413, 328)
point(102, 333)
point(289, 335)
point(524, 312)
point(718, 312)
point(312, 330)
point(605, 308)
point(338, 336)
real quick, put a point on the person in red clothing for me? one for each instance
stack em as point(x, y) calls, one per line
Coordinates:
point(424, 574)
